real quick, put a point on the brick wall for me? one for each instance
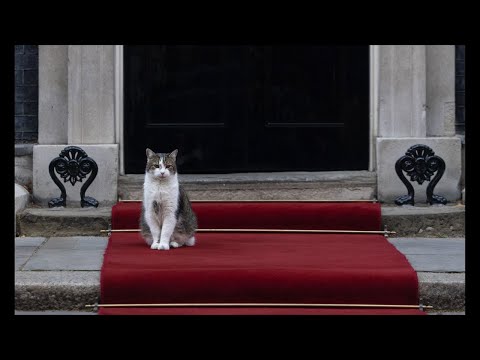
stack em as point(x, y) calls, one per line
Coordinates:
point(26, 93)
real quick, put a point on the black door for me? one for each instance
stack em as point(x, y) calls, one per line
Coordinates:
point(248, 108)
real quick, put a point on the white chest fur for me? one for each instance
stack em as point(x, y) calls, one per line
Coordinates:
point(164, 192)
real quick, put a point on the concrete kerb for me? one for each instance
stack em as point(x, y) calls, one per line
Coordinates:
point(56, 290)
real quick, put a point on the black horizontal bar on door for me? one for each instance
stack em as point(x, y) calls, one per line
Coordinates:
point(304, 125)
point(187, 125)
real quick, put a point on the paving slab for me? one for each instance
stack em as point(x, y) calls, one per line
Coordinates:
point(433, 255)
point(29, 241)
point(64, 259)
point(61, 253)
point(77, 243)
point(427, 246)
point(25, 248)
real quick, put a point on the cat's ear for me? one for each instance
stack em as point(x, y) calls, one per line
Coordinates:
point(173, 154)
point(149, 153)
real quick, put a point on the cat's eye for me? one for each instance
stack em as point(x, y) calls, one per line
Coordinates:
point(156, 165)
point(169, 166)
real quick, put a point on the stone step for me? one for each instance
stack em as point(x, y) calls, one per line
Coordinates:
point(425, 221)
point(429, 221)
point(338, 185)
point(62, 221)
point(407, 221)
point(64, 273)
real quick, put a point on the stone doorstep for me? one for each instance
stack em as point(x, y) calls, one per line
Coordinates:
point(72, 290)
point(407, 221)
point(285, 185)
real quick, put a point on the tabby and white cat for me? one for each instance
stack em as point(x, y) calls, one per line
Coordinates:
point(167, 218)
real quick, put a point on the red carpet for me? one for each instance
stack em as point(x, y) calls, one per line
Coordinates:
point(260, 267)
point(341, 216)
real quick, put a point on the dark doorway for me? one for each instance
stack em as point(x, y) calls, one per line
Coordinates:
point(248, 108)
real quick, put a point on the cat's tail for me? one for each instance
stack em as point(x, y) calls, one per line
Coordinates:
point(190, 241)
point(148, 239)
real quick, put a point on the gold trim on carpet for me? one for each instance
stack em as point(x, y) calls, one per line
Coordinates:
point(310, 231)
point(388, 306)
point(273, 201)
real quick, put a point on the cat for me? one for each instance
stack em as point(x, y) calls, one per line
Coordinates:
point(167, 218)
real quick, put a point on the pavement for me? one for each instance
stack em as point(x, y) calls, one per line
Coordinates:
point(60, 275)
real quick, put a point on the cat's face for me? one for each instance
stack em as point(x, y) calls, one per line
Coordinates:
point(161, 165)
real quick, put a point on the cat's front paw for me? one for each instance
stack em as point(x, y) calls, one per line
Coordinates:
point(163, 246)
point(155, 246)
